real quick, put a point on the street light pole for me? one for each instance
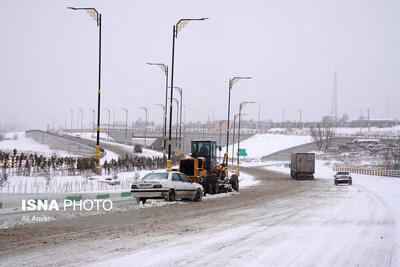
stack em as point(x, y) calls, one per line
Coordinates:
point(97, 17)
point(164, 68)
point(108, 125)
point(81, 110)
point(233, 141)
point(163, 129)
point(175, 29)
point(146, 109)
point(176, 129)
point(93, 121)
point(72, 118)
point(180, 90)
point(242, 104)
point(126, 122)
point(232, 81)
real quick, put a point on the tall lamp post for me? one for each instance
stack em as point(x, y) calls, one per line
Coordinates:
point(108, 125)
point(126, 122)
point(93, 122)
point(176, 130)
point(146, 110)
point(232, 81)
point(81, 110)
point(242, 104)
point(97, 17)
point(233, 141)
point(175, 29)
point(180, 90)
point(164, 108)
point(72, 117)
point(164, 68)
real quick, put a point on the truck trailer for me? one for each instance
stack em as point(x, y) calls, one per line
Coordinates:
point(302, 166)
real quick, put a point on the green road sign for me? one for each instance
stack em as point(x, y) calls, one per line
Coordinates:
point(242, 152)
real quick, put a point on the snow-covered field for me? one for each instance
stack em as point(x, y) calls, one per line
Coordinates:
point(28, 145)
point(261, 145)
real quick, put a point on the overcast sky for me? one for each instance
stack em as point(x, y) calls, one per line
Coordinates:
point(49, 58)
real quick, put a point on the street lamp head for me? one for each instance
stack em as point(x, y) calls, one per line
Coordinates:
point(162, 66)
point(180, 90)
point(182, 23)
point(243, 103)
point(91, 11)
point(234, 80)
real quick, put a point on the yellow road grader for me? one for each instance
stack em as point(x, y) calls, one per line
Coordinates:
point(202, 167)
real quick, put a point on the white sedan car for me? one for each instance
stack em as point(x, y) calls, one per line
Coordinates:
point(166, 185)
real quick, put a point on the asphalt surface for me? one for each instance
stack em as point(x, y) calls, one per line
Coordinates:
point(137, 224)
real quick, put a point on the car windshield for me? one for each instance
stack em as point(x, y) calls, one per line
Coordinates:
point(342, 173)
point(155, 176)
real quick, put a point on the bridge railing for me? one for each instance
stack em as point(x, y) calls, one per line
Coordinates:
point(365, 171)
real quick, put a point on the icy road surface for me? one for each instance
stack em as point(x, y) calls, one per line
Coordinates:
point(278, 222)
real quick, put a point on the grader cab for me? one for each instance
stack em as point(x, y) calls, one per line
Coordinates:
point(202, 168)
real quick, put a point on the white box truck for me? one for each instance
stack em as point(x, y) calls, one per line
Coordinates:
point(302, 166)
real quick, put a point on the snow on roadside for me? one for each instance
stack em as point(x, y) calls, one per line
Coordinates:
point(90, 135)
point(29, 145)
point(128, 148)
point(109, 156)
point(246, 180)
point(261, 145)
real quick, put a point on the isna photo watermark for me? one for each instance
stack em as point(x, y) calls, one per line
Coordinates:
point(79, 205)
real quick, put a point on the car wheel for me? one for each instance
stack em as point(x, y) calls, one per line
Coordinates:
point(171, 195)
point(198, 196)
point(205, 182)
point(214, 185)
point(235, 182)
point(143, 200)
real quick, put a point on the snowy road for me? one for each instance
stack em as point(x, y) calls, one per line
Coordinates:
point(279, 222)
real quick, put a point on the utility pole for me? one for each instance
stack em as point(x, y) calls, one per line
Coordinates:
point(213, 118)
point(259, 116)
point(81, 110)
point(72, 117)
point(388, 106)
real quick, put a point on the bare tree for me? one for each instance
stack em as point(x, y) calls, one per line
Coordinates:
point(322, 133)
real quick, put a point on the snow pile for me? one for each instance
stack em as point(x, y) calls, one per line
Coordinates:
point(108, 156)
point(261, 145)
point(28, 145)
point(246, 180)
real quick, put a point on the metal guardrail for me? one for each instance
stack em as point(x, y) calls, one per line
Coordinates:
point(375, 172)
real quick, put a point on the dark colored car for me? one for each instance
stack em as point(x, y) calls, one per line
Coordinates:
point(343, 178)
point(137, 148)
